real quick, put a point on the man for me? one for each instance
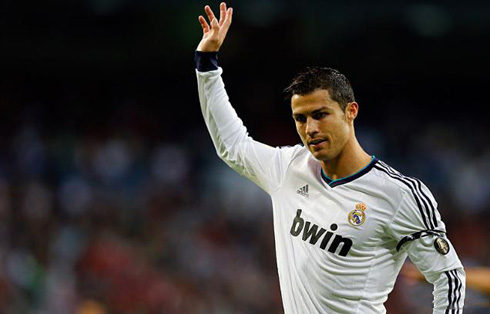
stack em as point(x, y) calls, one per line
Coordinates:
point(344, 221)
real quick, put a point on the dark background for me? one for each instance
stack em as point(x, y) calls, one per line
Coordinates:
point(111, 197)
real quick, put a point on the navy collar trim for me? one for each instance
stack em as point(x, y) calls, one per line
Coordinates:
point(333, 183)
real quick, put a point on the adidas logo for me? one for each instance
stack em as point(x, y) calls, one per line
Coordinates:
point(303, 191)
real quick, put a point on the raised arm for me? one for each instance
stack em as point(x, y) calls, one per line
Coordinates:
point(258, 162)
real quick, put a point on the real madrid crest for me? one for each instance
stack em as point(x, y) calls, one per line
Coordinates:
point(358, 216)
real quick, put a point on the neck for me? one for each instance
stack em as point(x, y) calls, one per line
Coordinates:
point(351, 160)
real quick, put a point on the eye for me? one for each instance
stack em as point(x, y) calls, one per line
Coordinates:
point(319, 115)
point(300, 118)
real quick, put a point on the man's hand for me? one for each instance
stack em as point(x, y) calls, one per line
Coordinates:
point(214, 35)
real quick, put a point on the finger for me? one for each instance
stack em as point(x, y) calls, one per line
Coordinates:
point(222, 13)
point(214, 25)
point(227, 22)
point(229, 16)
point(209, 13)
point(204, 24)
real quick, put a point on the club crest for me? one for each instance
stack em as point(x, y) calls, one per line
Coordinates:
point(358, 216)
point(441, 245)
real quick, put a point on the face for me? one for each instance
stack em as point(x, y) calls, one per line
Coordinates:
point(322, 125)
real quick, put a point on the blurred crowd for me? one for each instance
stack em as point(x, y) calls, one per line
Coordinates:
point(103, 225)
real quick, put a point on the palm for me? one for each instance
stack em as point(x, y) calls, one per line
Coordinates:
point(214, 33)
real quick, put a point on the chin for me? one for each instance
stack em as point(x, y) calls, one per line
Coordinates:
point(324, 154)
point(320, 155)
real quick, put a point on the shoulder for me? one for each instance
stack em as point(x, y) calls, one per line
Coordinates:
point(287, 155)
point(301, 162)
point(302, 157)
point(294, 152)
point(415, 197)
point(397, 180)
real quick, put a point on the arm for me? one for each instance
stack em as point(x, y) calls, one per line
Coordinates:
point(439, 264)
point(444, 272)
point(260, 163)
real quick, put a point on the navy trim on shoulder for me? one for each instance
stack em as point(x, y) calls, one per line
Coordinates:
point(333, 183)
point(206, 61)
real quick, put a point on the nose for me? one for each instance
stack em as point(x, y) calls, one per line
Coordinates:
point(311, 127)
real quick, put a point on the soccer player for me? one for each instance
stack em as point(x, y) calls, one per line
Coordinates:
point(344, 221)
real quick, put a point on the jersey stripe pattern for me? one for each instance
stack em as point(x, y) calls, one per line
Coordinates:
point(424, 204)
point(454, 294)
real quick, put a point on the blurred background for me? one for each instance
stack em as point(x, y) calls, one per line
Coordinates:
point(112, 199)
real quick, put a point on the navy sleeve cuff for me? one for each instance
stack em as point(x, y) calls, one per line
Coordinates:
point(206, 61)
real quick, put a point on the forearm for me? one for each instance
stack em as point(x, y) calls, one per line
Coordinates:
point(263, 164)
point(441, 268)
point(225, 127)
point(449, 291)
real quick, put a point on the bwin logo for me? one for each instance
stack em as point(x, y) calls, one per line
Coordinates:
point(310, 231)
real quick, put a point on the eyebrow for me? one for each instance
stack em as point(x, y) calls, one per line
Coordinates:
point(313, 112)
point(320, 109)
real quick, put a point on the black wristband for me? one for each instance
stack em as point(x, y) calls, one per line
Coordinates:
point(206, 61)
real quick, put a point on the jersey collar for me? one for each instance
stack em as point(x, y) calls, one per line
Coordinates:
point(333, 183)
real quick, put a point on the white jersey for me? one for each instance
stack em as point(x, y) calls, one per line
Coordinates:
point(340, 244)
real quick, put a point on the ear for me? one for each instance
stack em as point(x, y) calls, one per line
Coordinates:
point(351, 111)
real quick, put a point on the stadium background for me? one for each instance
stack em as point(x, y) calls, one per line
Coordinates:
point(111, 197)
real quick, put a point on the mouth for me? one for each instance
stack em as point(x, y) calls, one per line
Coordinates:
point(315, 143)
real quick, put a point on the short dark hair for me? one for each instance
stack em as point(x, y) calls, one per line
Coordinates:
point(314, 78)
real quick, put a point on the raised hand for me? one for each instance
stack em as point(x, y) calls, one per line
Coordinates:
point(214, 35)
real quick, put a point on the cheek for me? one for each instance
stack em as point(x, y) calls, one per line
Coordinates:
point(342, 133)
point(301, 133)
point(337, 130)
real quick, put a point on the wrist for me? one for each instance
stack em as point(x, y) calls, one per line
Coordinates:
point(206, 60)
point(208, 46)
